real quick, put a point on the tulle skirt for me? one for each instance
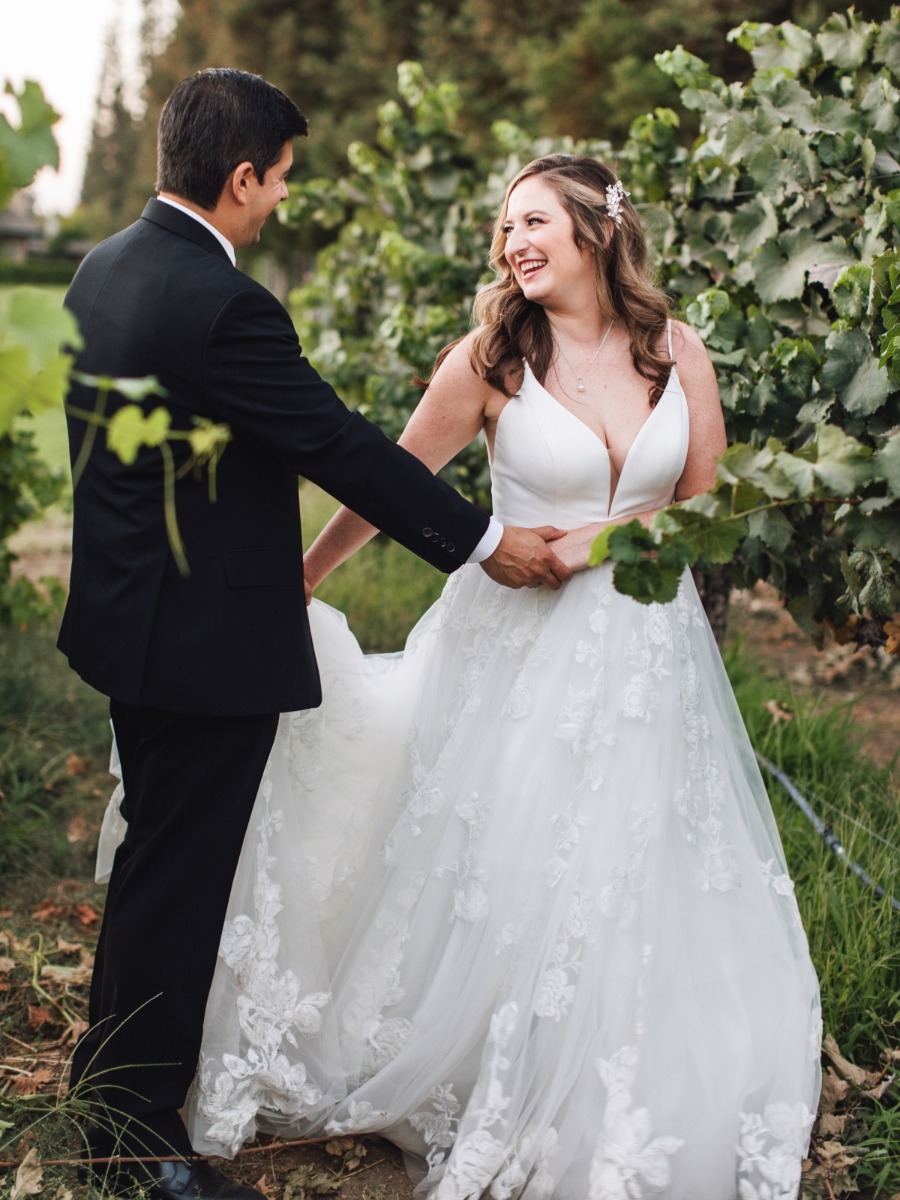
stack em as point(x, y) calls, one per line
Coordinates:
point(515, 899)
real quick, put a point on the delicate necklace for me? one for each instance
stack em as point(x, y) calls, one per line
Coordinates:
point(580, 378)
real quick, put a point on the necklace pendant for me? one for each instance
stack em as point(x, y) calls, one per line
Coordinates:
point(580, 383)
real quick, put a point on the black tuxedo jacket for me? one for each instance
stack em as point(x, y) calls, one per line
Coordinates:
point(162, 298)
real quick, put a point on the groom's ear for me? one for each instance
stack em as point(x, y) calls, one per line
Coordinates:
point(240, 182)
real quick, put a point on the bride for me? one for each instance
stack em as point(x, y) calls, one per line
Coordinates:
point(515, 898)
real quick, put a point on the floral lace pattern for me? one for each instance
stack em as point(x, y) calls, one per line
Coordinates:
point(472, 1157)
point(699, 801)
point(273, 1011)
point(628, 1163)
point(556, 989)
point(770, 1150)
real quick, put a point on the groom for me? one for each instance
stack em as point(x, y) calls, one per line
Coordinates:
point(198, 668)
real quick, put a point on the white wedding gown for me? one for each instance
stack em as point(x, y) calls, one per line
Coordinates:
point(515, 898)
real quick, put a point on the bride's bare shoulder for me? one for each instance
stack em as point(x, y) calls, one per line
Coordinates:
point(462, 366)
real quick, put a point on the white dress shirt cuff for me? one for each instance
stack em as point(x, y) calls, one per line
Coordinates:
point(489, 542)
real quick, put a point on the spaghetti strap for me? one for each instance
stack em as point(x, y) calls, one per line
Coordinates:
point(669, 335)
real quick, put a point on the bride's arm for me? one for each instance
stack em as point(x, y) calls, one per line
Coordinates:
point(705, 444)
point(449, 415)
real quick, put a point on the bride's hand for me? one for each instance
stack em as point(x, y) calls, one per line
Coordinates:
point(574, 547)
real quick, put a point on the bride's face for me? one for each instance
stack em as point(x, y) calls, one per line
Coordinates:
point(540, 247)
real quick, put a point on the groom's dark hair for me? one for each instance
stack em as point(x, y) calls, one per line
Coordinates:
point(215, 120)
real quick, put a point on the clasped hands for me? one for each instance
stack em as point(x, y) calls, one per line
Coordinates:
point(524, 558)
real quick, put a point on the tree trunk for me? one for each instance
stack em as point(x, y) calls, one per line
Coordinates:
point(715, 591)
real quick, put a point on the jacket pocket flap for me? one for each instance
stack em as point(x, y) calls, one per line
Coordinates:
point(263, 568)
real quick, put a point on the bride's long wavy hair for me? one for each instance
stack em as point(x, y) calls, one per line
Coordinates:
point(512, 328)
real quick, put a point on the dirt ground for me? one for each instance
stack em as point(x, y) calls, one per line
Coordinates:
point(835, 675)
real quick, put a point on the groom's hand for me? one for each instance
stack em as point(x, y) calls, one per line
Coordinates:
point(524, 559)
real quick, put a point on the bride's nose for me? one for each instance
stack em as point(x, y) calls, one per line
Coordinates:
point(514, 243)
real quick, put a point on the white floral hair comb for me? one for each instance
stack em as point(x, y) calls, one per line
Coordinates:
point(615, 194)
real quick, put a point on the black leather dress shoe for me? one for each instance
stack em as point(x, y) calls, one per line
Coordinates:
point(195, 1180)
point(191, 1179)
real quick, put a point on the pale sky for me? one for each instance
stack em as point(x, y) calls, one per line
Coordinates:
point(59, 43)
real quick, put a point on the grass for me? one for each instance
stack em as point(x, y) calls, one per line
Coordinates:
point(54, 745)
point(53, 751)
point(853, 934)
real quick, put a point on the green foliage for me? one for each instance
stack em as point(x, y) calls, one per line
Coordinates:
point(33, 367)
point(38, 271)
point(34, 371)
point(782, 242)
point(28, 146)
point(397, 283)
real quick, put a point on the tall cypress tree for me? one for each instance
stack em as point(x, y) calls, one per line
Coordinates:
point(113, 149)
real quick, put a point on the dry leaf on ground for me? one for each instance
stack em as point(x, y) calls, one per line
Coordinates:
point(77, 830)
point(308, 1181)
point(69, 976)
point(29, 1177)
point(87, 915)
point(76, 765)
point(28, 1085)
point(778, 712)
point(38, 1016)
point(873, 1083)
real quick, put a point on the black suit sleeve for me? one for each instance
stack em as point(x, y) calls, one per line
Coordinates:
point(257, 381)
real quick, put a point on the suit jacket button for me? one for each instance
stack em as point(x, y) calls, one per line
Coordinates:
point(427, 531)
point(450, 547)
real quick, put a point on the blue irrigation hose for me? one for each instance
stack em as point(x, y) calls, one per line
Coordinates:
point(824, 831)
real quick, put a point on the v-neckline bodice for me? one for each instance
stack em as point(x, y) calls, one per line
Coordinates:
point(673, 377)
point(544, 470)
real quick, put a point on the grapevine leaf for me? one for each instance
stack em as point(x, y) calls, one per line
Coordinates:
point(14, 370)
point(208, 440)
point(853, 374)
point(760, 468)
point(799, 471)
point(772, 528)
point(875, 594)
point(24, 150)
point(129, 430)
point(710, 504)
point(886, 464)
point(33, 317)
point(842, 463)
point(785, 45)
point(600, 551)
point(887, 47)
point(851, 292)
point(754, 223)
point(647, 581)
point(629, 543)
point(844, 43)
